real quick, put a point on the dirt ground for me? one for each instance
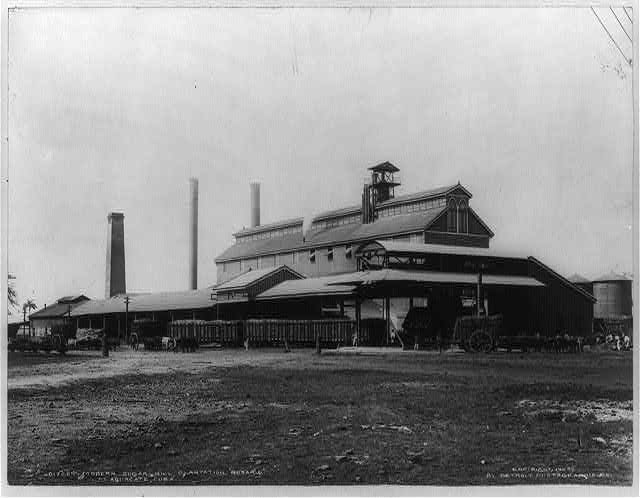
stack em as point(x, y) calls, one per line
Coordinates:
point(231, 416)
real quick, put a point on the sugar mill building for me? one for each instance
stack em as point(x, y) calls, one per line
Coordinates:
point(379, 258)
point(439, 216)
point(430, 244)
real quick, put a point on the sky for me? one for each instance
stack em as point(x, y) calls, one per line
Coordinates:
point(115, 109)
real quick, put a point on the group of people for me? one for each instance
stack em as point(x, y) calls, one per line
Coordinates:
point(618, 342)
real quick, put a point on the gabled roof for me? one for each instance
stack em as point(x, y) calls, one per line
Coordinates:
point(252, 277)
point(382, 227)
point(157, 301)
point(479, 220)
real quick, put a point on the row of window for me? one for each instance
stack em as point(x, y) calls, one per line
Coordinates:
point(413, 207)
point(270, 234)
point(292, 258)
point(336, 222)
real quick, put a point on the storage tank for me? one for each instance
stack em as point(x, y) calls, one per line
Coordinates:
point(613, 294)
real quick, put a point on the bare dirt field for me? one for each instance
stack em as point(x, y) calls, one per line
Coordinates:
point(232, 416)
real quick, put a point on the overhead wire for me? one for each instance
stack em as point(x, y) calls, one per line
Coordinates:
point(621, 25)
point(627, 13)
point(610, 36)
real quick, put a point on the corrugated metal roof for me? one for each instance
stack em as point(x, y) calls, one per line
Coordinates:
point(306, 287)
point(390, 246)
point(252, 248)
point(252, 276)
point(57, 310)
point(424, 194)
point(269, 226)
point(335, 213)
point(398, 199)
point(157, 301)
point(355, 232)
point(408, 276)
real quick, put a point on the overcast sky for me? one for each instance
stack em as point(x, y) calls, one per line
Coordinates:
point(114, 110)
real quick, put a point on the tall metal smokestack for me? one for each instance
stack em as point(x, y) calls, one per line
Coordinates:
point(255, 204)
point(115, 282)
point(193, 243)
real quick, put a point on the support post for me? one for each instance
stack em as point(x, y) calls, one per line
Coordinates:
point(387, 310)
point(126, 318)
point(479, 292)
point(358, 324)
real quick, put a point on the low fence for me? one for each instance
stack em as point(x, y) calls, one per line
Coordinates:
point(220, 331)
point(264, 332)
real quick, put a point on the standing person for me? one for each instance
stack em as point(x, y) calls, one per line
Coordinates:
point(105, 344)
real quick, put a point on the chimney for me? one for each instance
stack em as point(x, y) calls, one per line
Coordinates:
point(255, 204)
point(193, 239)
point(115, 278)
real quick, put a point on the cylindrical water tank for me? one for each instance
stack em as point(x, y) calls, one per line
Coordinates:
point(613, 294)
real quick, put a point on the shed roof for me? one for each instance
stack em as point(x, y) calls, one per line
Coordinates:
point(251, 277)
point(389, 275)
point(306, 287)
point(157, 301)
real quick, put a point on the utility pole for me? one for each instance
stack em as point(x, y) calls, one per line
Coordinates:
point(126, 317)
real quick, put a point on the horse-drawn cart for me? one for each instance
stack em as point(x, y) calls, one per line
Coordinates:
point(477, 333)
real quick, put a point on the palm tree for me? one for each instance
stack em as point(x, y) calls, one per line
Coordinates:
point(26, 307)
point(11, 294)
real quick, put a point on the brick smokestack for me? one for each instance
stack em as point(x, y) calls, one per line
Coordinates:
point(255, 204)
point(193, 238)
point(115, 278)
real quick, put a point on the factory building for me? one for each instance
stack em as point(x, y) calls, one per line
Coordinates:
point(400, 251)
point(439, 216)
point(376, 259)
point(55, 315)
